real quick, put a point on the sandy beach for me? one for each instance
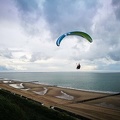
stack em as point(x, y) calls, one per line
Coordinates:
point(93, 105)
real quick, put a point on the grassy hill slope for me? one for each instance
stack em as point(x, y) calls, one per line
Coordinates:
point(14, 107)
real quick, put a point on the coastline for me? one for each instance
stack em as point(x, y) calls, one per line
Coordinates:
point(46, 84)
point(89, 104)
point(85, 81)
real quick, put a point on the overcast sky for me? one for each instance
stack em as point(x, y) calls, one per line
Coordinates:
point(29, 30)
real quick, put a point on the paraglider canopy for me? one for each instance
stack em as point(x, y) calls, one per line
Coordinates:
point(78, 66)
point(77, 33)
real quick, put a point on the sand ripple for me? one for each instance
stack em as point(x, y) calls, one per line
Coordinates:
point(19, 86)
point(65, 96)
point(41, 92)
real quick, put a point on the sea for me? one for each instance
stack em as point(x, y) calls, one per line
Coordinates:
point(102, 82)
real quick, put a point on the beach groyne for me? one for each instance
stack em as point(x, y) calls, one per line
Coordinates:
point(96, 98)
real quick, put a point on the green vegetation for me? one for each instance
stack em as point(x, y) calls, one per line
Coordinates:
point(14, 107)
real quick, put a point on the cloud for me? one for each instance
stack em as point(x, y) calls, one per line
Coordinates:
point(30, 13)
point(4, 68)
point(114, 53)
point(56, 17)
point(38, 56)
point(68, 15)
point(11, 64)
point(107, 38)
point(29, 29)
point(116, 5)
point(8, 11)
point(6, 53)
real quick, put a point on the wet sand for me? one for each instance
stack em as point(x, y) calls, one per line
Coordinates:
point(96, 106)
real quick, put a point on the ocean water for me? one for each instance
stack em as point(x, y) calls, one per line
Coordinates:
point(88, 81)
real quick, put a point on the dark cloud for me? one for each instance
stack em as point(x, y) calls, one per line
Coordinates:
point(27, 6)
point(114, 54)
point(30, 13)
point(116, 5)
point(69, 15)
point(60, 16)
point(29, 10)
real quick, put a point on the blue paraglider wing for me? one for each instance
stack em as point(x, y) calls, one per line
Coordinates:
point(60, 39)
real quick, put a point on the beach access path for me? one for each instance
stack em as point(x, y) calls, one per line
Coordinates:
point(91, 105)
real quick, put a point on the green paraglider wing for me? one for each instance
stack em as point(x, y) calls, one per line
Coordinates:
point(78, 33)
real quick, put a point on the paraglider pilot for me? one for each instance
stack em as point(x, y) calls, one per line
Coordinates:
point(78, 66)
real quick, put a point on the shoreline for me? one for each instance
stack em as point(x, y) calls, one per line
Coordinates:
point(84, 90)
point(37, 82)
point(103, 83)
point(89, 104)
